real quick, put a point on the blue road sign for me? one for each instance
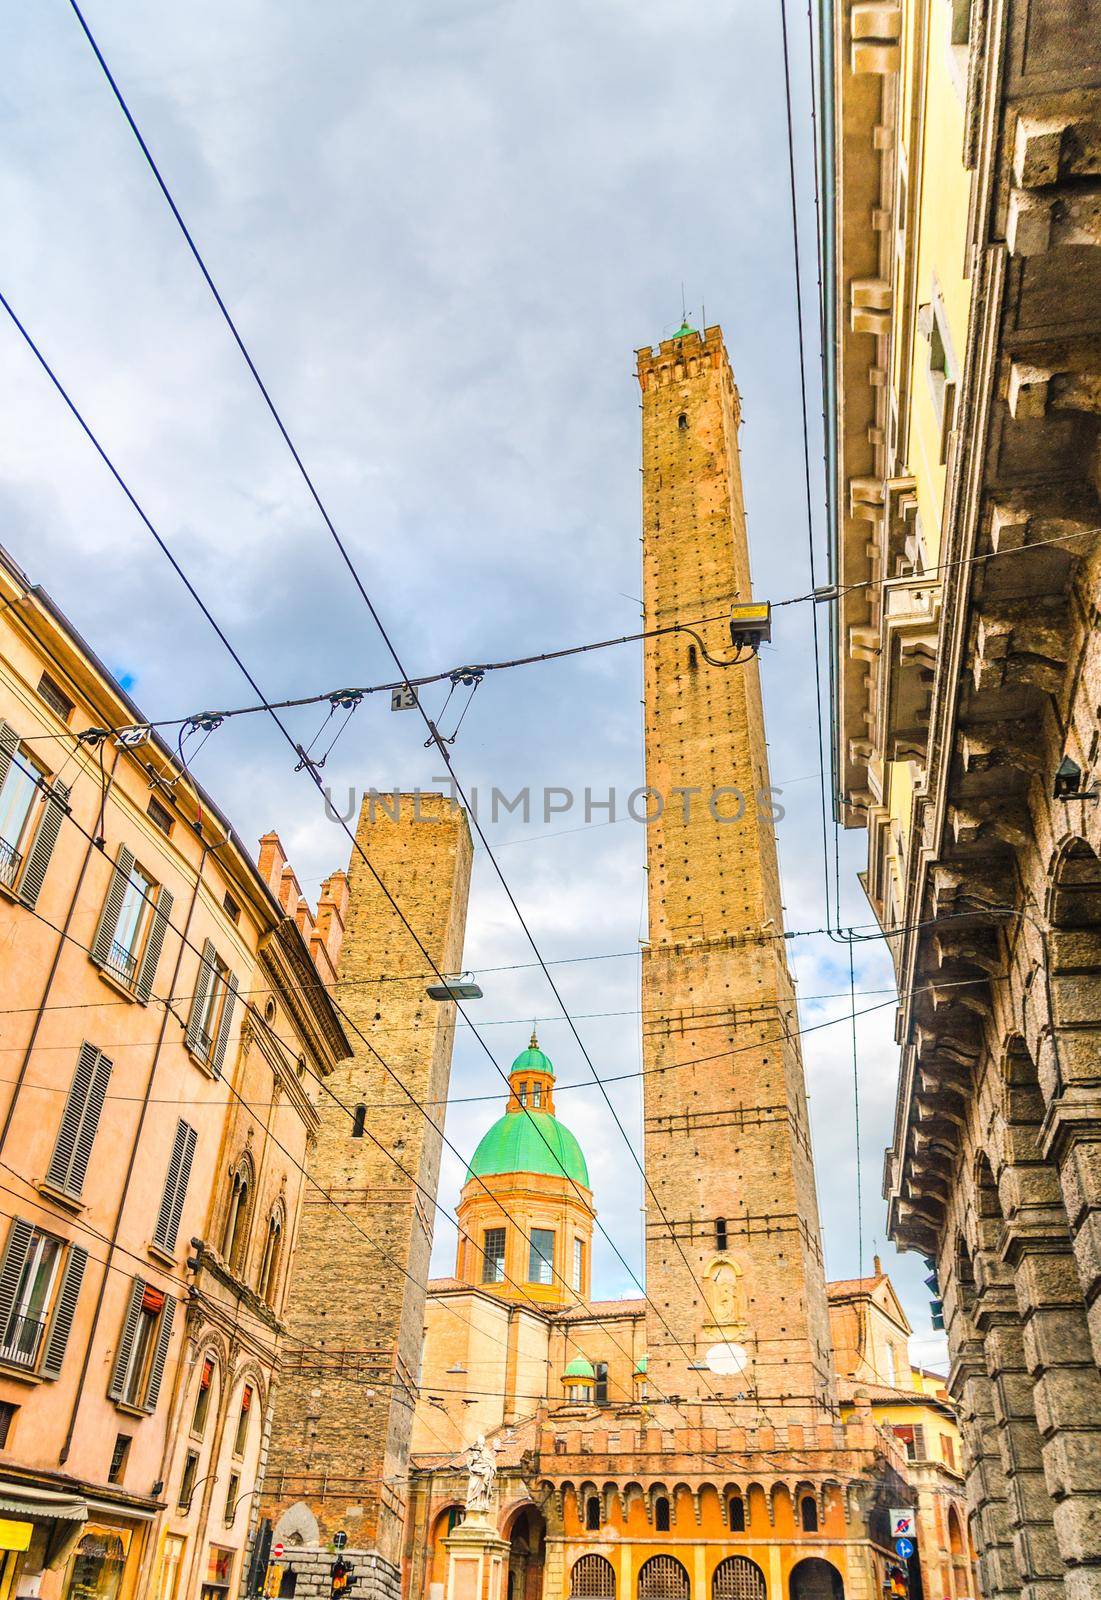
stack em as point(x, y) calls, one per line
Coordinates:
point(904, 1548)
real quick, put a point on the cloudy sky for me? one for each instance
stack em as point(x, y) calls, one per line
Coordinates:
point(443, 227)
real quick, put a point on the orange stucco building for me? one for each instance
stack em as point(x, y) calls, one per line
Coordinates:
point(166, 1035)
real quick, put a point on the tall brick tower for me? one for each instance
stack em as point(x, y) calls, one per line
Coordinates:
point(344, 1412)
point(727, 1144)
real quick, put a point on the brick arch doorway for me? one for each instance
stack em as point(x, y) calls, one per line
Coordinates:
point(815, 1579)
point(527, 1541)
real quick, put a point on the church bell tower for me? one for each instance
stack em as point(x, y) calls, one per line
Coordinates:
point(734, 1268)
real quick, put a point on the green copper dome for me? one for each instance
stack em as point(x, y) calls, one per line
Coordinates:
point(533, 1060)
point(580, 1368)
point(523, 1142)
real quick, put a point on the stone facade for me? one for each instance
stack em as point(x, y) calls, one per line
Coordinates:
point(963, 274)
point(356, 1311)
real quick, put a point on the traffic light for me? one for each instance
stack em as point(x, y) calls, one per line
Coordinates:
point(341, 1574)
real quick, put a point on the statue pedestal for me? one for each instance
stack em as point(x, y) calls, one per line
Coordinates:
point(477, 1560)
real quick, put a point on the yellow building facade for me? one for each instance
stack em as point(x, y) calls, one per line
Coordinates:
point(167, 1033)
point(962, 311)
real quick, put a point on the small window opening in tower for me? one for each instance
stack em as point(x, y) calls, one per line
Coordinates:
point(720, 1233)
point(359, 1122)
point(737, 1515)
point(682, 420)
point(809, 1517)
point(592, 1513)
point(692, 657)
point(661, 1515)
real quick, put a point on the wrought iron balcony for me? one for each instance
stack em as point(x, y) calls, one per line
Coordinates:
point(121, 962)
point(22, 1341)
point(10, 861)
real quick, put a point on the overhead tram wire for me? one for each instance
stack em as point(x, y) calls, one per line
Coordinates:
point(819, 596)
point(806, 463)
point(263, 1022)
point(433, 732)
point(357, 847)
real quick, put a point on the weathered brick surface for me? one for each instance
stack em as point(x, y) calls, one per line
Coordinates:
point(728, 1138)
point(341, 1435)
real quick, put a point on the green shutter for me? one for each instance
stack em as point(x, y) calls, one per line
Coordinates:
point(97, 1094)
point(9, 744)
point(224, 1025)
point(64, 1311)
point(175, 1188)
point(203, 980)
point(112, 907)
point(11, 1269)
point(126, 1339)
point(160, 1355)
point(61, 1162)
point(57, 804)
point(153, 945)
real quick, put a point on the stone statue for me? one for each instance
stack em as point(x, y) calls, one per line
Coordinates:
point(481, 1470)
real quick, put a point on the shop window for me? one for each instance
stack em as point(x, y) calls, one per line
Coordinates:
point(592, 1513)
point(95, 1572)
point(219, 1573)
point(808, 1514)
point(171, 1562)
point(600, 1392)
point(187, 1480)
point(493, 1255)
point(118, 1458)
point(736, 1511)
point(240, 1437)
point(202, 1399)
point(7, 1416)
point(661, 1514)
point(541, 1256)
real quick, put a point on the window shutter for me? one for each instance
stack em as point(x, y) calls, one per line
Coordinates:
point(61, 1162)
point(57, 804)
point(67, 1296)
point(160, 1356)
point(224, 1026)
point(92, 1112)
point(9, 744)
point(153, 945)
point(11, 1268)
point(126, 1339)
point(203, 980)
point(112, 907)
point(175, 1187)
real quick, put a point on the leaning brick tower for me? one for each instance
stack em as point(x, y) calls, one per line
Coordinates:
point(733, 1257)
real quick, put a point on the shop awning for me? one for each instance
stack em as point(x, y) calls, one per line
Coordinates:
point(66, 1512)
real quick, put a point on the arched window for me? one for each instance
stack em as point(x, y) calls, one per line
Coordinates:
point(268, 1285)
point(202, 1398)
point(661, 1514)
point(814, 1579)
point(736, 1512)
point(738, 1578)
point(592, 1513)
point(235, 1232)
point(359, 1122)
point(592, 1578)
point(663, 1578)
point(808, 1513)
point(720, 1233)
